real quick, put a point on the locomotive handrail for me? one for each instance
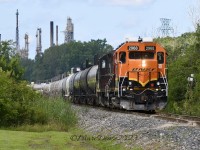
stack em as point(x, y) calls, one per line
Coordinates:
point(119, 78)
point(165, 82)
point(107, 85)
point(123, 82)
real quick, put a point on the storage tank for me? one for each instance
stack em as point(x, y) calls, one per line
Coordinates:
point(71, 84)
point(92, 78)
point(83, 80)
point(66, 85)
point(77, 82)
point(46, 89)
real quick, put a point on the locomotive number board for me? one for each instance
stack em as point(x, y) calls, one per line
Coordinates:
point(136, 48)
point(150, 48)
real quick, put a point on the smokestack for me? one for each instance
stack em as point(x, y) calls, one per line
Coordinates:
point(51, 33)
point(17, 32)
point(57, 35)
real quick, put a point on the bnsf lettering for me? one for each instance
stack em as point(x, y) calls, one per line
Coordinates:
point(143, 69)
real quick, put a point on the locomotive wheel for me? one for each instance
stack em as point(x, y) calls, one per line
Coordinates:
point(101, 100)
point(90, 101)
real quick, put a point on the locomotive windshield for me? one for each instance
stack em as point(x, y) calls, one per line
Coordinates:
point(141, 55)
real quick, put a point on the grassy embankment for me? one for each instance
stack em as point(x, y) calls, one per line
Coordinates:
point(57, 131)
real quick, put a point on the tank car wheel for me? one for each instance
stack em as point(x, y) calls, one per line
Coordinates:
point(151, 111)
point(96, 101)
point(90, 101)
point(83, 100)
point(101, 100)
point(77, 101)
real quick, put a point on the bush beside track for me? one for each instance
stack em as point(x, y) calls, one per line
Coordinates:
point(20, 105)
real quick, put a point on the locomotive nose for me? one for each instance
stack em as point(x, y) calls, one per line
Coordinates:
point(145, 71)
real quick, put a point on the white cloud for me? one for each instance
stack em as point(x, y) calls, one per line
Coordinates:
point(124, 2)
point(130, 2)
point(3, 1)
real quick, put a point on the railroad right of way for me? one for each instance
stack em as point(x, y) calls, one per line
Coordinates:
point(135, 130)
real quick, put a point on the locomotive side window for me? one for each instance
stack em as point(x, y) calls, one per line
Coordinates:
point(122, 57)
point(160, 57)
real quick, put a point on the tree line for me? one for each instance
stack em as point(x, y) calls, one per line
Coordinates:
point(183, 72)
point(60, 59)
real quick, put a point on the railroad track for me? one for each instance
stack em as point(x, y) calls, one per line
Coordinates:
point(190, 120)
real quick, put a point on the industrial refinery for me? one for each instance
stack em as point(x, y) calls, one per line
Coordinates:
point(24, 52)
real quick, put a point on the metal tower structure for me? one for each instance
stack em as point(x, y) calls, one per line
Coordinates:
point(17, 33)
point(69, 32)
point(23, 53)
point(26, 46)
point(165, 27)
point(38, 41)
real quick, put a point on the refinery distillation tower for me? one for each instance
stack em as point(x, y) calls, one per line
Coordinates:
point(69, 32)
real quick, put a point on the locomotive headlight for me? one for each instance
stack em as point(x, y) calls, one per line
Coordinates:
point(130, 83)
point(158, 83)
point(124, 89)
point(143, 63)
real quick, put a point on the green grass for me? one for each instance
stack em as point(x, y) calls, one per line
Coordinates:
point(52, 140)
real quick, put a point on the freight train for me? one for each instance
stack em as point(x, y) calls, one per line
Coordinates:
point(132, 77)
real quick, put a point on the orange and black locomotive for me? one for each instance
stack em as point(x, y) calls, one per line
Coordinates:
point(134, 77)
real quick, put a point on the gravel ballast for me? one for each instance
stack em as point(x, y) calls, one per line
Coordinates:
point(136, 131)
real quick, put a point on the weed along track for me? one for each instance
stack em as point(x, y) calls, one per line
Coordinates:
point(137, 129)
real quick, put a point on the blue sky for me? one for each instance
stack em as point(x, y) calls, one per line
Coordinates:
point(114, 20)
